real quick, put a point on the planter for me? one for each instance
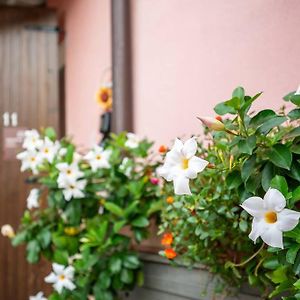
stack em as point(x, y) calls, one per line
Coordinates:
point(165, 282)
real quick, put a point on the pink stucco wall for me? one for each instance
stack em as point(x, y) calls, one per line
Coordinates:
point(87, 56)
point(189, 55)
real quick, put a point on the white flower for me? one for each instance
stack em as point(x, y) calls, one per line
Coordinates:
point(33, 199)
point(38, 296)
point(132, 140)
point(49, 149)
point(98, 158)
point(125, 167)
point(271, 218)
point(62, 152)
point(7, 231)
point(32, 140)
point(62, 277)
point(68, 173)
point(298, 91)
point(73, 189)
point(30, 159)
point(181, 165)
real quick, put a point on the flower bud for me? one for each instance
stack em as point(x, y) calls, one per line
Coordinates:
point(162, 149)
point(212, 123)
point(154, 180)
point(7, 231)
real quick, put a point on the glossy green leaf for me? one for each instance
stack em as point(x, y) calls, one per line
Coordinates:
point(247, 145)
point(140, 222)
point(279, 183)
point(114, 208)
point(280, 156)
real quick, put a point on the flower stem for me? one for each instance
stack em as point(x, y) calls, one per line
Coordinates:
point(248, 259)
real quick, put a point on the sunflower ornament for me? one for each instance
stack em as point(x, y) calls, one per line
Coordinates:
point(104, 97)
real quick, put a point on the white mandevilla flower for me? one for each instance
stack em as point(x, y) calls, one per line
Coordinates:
point(98, 158)
point(62, 277)
point(32, 140)
point(73, 189)
point(271, 218)
point(33, 199)
point(132, 141)
point(7, 231)
point(31, 160)
point(181, 165)
point(38, 296)
point(126, 167)
point(68, 173)
point(49, 149)
point(298, 91)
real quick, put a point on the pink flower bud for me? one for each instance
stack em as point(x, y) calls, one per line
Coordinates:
point(212, 123)
point(154, 180)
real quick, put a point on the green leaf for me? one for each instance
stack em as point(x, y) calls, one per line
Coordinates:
point(119, 225)
point(233, 180)
point(295, 149)
point(223, 109)
point(271, 263)
point(114, 208)
point(294, 114)
point(50, 133)
point(270, 124)
point(280, 156)
point(279, 275)
point(131, 208)
point(292, 253)
point(282, 287)
point(253, 183)
point(267, 175)
point(61, 257)
point(140, 222)
point(295, 171)
point(104, 280)
point(247, 145)
point(115, 264)
point(296, 195)
point(293, 133)
point(131, 262)
point(69, 154)
point(33, 250)
point(279, 183)
point(292, 98)
point(44, 237)
point(239, 93)
point(262, 117)
point(248, 167)
point(127, 276)
point(19, 239)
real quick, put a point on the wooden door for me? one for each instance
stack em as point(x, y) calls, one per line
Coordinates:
point(29, 87)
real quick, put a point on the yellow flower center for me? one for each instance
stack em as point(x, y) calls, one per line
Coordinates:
point(69, 172)
point(32, 158)
point(72, 187)
point(62, 277)
point(271, 217)
point(98, 157)
point(46, 150)
point(184, 163)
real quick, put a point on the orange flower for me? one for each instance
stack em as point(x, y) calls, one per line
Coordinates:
point(167, 239)
point(162, 149)
point(104, 98)
point(170, 253)
point(170, 200)
point(219, 118)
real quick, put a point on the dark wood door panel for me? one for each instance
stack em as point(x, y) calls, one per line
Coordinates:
point(29, 86)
